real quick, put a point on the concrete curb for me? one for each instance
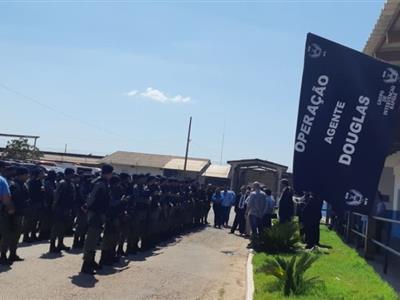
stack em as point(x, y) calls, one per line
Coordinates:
point(249, 277)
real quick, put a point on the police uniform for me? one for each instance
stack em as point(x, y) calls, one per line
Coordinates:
point(81, 214)
point(33, 208)
point(112, 224)
point(64, 199)
point(11, 223)
point(97, 206)
point(46, 215)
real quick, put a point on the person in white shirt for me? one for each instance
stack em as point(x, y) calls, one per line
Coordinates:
point(257, 206)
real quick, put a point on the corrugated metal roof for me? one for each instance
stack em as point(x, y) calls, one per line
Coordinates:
point(71, 159)
point(155, 161)
point(192, 165)
point(218, 171)
point(386, 19)
point(379, 43)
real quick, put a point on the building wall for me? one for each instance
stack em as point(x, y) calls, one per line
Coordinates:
point(269, 179)
point(387, 185)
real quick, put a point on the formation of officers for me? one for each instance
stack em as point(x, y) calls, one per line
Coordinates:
point(123, 214)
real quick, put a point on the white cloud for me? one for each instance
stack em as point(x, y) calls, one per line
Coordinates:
point(154, 94)
point(159, 96)
point(132, 93)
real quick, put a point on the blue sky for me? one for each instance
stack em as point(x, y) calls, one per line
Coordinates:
point(103, 76)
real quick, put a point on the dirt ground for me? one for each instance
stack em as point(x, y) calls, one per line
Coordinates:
point(206, 264)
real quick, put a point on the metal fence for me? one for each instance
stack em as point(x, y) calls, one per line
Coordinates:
point(371, 233)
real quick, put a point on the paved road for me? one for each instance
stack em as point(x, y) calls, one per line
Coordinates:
point(207, 264)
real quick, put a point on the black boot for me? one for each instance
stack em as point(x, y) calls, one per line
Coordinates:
point(131, 250)
point(53, 248)
point(61, 245)
point(26, 238)
point(87, 268)
point(34, 237)
point(4, 261)
point(114, 258)
point(120, 250)
point(14, 257)
point(81, 242)
point(43, 236)
point(75, 244)
point(96, 266)
point(105, 258)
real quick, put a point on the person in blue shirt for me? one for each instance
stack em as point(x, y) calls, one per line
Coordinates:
point(228, 198)
point(217, 208)
point(4, 188)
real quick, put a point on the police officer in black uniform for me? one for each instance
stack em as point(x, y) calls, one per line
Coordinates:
point(46, 216)
point(64, 199)
point(34, 206)
point(112, 224)
point(97, 207)
point(83, 192)
point(12, 215)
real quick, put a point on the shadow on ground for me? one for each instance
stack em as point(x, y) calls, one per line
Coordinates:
point(4, 268)
point(84, 280)
point(49, 255)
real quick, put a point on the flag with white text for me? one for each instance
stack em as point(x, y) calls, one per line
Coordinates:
point(346, 121)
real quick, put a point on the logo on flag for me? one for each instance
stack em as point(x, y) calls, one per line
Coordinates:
point(390, 75)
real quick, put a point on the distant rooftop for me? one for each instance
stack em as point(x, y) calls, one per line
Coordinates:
point(255, 161)
point(217, 171)
point(72, 158)
point(136, 159)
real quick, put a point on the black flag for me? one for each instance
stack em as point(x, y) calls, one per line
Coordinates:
point(346, 122)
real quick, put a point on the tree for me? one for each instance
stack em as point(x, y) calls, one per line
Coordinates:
point(21, 150)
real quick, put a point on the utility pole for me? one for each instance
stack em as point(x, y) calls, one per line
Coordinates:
point(222, 144)
point(187, 144)
point(65, 152)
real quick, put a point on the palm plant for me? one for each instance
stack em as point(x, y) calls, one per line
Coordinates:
point(280, 238)
point(291, 272)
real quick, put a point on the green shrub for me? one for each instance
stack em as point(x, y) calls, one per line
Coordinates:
point(291, 273)
point(280, 238)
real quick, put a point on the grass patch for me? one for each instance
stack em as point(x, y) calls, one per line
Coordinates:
point(345, 275)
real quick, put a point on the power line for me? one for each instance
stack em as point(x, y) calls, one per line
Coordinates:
point(68, 116)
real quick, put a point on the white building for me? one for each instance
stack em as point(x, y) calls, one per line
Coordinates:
point(384, 43)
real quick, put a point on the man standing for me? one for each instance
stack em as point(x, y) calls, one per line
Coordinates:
point(217, 208)
point(240, 210)
point(5, 196)
point(312, 217)
point(46, 217)
point(112, 224)
point(286, 202)
point(256, 206)
point(64, 199)
point(269, 209)
point(82, 192)
point(12, 215)
point(228, 200)
point(97, 206)
point(34, 207)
